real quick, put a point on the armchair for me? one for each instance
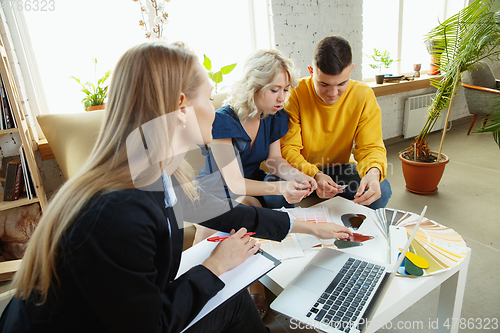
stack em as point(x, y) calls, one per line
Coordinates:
point(71, 138)
point(481, 91)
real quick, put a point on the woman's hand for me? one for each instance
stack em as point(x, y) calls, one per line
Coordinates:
point(231, 252)
point(293, 191)
point(321, 230)
point(304, 179)
point(330, 230)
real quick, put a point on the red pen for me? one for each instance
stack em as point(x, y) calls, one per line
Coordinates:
point(221, 238)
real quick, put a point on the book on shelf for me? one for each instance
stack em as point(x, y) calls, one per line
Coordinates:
point(10, 180)
point(2, 107)
point(28, 181)
point(8, 119)
point(18, 186)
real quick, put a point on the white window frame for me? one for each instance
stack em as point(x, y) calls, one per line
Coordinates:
point(400, 30)
point(21, 41)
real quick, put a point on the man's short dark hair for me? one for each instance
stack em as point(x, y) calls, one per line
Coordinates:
point(332, 55)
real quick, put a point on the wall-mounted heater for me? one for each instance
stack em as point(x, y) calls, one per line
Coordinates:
point(416, 113)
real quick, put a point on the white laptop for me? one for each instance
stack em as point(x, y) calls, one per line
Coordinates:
point(337, 291)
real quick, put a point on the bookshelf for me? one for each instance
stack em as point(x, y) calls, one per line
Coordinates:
point(9, 267)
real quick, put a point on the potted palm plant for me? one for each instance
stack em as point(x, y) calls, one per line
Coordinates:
point(466, 38)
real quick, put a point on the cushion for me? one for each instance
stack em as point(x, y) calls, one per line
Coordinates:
point(218, 99)
point(480, 76)
point(71, 137)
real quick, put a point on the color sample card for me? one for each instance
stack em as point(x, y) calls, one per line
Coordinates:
point(312, 214)
point(441, 247)
point(287, 248)
point(359, 237)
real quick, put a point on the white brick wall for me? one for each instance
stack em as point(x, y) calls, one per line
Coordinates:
point(300, 24)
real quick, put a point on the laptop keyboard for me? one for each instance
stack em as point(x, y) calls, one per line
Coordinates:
point(341, 303)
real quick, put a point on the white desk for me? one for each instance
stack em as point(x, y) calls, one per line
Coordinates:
point(403, 291)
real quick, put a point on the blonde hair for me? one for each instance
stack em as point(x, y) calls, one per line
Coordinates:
point(147, 83)
point(260, 72)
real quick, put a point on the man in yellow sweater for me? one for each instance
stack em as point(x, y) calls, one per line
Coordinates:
point(330, 117)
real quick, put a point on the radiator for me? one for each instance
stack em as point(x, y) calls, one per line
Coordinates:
point(416, 113)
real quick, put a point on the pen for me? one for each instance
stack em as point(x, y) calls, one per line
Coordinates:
point(221, 238)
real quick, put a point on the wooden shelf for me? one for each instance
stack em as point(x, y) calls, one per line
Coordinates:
point(44, 150)
point(24, 128)
point(8, 268)
point(7, 131)
point(16, 203)
point(394, 88)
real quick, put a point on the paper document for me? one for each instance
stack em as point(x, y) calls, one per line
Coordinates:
point(234, 280)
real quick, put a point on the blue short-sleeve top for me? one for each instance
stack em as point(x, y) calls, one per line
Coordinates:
point(227, 125)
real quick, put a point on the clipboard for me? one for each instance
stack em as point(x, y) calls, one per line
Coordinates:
point(235, 280)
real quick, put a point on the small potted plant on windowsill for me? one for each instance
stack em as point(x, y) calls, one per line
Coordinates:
point(95, 94)
point(381, 59)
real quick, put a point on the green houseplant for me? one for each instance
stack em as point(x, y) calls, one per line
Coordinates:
point(216, 77)
point(381, 59)
point(493, 125)
point(95, 94)
point(466, 38)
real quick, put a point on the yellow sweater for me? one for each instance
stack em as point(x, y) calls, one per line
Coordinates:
point(321, 135)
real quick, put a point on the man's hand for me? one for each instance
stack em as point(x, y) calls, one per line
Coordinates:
point(327, 188)
point(369, 188)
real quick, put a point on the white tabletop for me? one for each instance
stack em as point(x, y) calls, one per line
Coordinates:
point(403, 291)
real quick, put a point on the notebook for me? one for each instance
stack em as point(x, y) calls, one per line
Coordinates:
point(338, 291)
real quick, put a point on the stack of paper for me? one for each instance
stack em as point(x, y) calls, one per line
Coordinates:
point(441, 246)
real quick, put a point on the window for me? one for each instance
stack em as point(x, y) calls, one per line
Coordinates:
point(66, 40)
point(400, 26)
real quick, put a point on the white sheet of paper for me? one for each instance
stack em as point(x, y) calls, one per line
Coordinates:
point(234, 280)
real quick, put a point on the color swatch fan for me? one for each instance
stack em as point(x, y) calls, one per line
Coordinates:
point(442, 247)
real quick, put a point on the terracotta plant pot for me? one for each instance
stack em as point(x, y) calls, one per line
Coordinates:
point(96, 107)
point(423, 178)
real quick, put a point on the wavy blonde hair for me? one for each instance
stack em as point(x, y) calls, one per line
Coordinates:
point(147, 83)
point(260, 72)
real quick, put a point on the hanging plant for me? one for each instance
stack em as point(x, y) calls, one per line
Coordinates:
point(153, 26)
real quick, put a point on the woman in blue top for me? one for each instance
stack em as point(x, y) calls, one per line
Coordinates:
point(247, 131)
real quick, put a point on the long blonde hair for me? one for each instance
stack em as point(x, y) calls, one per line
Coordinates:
point(147, 83)
point(262, 69)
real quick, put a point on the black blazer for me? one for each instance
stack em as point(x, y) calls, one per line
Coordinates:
point(118, 262)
